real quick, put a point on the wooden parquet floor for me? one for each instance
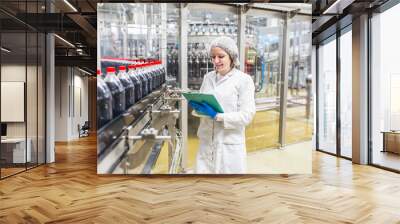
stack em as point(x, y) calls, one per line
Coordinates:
point(70, 191)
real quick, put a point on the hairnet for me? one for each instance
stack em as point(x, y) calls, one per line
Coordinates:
point(229, 46)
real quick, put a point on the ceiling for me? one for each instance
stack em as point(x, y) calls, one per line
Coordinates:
point(72, 20)
point(328, 18)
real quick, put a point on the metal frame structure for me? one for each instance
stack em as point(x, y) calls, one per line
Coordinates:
point(183, 71)
point(336, 38)
point(338, 153)
point(369, 89)
point(242, 36)
point(341, 22)
point(340, 30)
point(118, 153)
point(338, 98)
point(316, 97)
point(241, 11)
point(387, 5)
point(284, 80)
point(45, 72)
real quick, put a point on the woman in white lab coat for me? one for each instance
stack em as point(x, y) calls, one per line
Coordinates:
point(222, 135)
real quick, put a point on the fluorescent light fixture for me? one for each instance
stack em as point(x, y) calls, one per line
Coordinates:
point(70, 5)
point(5, 49)
point(331, 7)
point(65, 41)
point(338, 6)
point(84, 71)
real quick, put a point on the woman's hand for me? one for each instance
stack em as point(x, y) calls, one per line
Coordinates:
point(203, 108)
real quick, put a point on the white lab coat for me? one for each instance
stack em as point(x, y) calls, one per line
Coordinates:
point(222, 143)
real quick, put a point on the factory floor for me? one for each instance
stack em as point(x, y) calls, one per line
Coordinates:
point(262, 137)
point(292, 159)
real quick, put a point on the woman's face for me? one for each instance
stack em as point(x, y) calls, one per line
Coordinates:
point(221, 60)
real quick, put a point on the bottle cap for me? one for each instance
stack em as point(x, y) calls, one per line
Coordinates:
point(110, 69)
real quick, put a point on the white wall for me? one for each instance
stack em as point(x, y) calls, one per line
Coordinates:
point(71, 102)
point(80, 110)
point(61, 103)
point(33, 126)
point(12, 73)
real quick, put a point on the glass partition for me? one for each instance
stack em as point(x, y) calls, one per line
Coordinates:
point(299, 117)
point(14, 145)
point(346, 94)
point(22, 90)
point(385, 89)
point(327, 96)
point(263, 63)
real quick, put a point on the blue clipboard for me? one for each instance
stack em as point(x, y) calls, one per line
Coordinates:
point(204, 98)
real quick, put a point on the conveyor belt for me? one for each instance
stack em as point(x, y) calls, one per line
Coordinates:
point(109, 150)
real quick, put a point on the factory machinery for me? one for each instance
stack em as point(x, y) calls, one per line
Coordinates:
point(200, 35)
point(130, 137)
point(139, 47)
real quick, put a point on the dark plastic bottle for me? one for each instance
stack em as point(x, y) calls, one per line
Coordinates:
point(136, 82)
point(117, 92)
point(104, 102)
point(144, 81)
point(128, 85)
point(162, 75)
point(152, 74)
point(156, 77)
point(147, 74)
point(157, 74)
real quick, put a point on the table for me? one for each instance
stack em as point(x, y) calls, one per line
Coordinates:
point(13, 150)
point(391, 141)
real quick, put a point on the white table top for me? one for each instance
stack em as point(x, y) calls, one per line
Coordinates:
point(13, 140)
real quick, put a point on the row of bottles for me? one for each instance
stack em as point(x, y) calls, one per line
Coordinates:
point(199, 64)
point(218, 29)
point(116, 92)
point(172, 61)
point(208, 29)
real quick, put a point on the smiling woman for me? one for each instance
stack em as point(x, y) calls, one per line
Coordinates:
point(221, 60)
point(222, 135)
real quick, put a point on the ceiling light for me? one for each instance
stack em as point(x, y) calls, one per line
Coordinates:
point(84, 71)
point(5, 50)
point(65, 41)
point(338, 6)
point(70, 5)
